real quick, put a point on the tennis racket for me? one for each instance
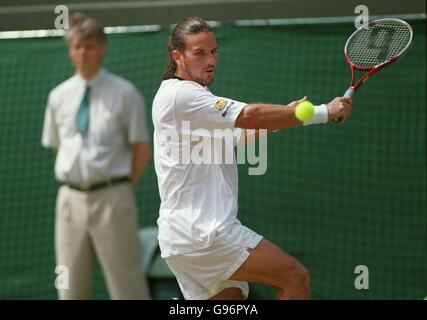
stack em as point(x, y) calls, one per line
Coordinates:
point(373, 47)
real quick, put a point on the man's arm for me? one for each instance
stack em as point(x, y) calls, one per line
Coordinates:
point(274, 117)
point(50, 135)
point(141, 154)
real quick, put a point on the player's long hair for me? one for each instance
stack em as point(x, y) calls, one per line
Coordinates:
point(187, 26)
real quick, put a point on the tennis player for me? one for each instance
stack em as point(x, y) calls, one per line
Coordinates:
point(211, 253)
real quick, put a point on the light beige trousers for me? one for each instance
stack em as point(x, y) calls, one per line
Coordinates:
point(101, 223)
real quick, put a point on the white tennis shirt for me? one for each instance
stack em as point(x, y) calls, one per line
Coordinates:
point(116, 121)
point(197, 199)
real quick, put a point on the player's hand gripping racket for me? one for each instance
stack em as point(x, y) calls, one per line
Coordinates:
point(375, 46)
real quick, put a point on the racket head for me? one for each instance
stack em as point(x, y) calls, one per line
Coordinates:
point(377, 43)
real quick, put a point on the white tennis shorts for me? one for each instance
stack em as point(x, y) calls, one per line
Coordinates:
point(204, 273)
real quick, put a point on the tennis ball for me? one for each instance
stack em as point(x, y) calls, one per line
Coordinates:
point(304, 111)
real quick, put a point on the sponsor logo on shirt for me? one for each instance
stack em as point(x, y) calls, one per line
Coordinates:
point(226, 109)
point(220, 104)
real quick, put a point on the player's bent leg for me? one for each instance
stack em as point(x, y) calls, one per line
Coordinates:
point(270, 265)
point(229, 294)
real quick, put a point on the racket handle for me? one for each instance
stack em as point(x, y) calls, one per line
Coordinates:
point(349, 93)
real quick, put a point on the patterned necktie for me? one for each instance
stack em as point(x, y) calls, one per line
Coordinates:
point(82, 120)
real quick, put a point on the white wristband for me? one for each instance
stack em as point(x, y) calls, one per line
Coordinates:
point(320, 115)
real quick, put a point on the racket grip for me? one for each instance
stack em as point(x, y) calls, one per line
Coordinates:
point(349, 93)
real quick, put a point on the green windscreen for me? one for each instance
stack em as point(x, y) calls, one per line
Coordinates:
point(335, 196)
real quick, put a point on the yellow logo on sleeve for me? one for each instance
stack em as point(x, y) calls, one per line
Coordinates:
point(220, 104)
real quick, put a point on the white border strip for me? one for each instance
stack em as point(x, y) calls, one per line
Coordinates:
point(61, 33)
point(243, 23)
point(323, 20)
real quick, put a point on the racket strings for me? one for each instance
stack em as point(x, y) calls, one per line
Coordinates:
point(378, 43)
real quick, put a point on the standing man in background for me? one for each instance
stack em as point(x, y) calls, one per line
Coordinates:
point(96, 121)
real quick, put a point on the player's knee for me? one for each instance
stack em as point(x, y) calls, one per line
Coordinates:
point(299, 276)
point(304, 276)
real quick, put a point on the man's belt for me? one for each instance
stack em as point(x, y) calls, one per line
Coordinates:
point(97, 185)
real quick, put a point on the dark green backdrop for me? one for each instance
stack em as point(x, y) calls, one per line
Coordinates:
point(334, 196)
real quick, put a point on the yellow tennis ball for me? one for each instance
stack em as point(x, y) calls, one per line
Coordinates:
point(304, 111)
